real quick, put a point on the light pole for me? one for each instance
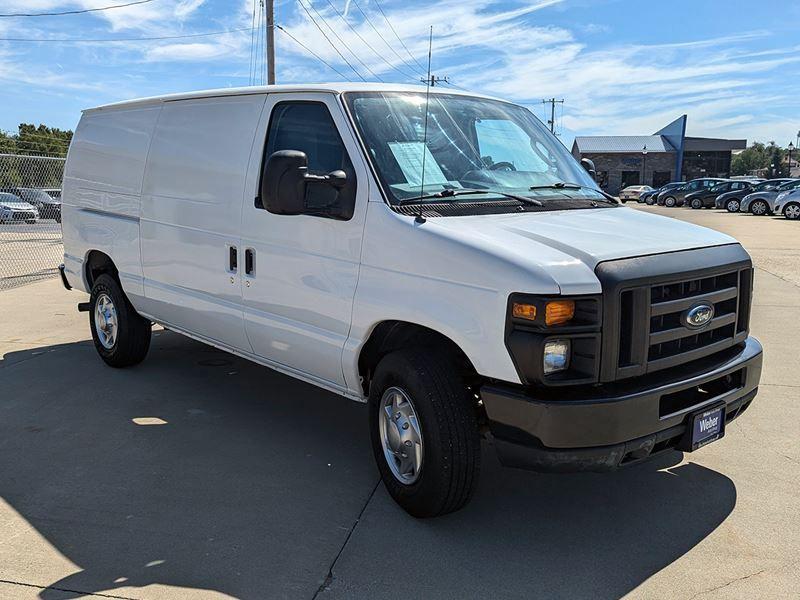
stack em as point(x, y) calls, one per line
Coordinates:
point(791, 147)
point(644, 165)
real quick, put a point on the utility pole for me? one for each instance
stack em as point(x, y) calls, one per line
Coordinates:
point(552, 121)
point(434, 80)
point(270, 42)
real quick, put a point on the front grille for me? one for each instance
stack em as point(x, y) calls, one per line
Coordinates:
point(644, 326)
point(669, 337)
point(23, 216)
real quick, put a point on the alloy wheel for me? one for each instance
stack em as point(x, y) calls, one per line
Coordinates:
point(792, 212)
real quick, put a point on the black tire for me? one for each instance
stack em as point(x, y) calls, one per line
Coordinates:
point(732, 205)
point(759, 208)
point(670, 201)
point(697, 203)
point(447, 420)
point(132, 340)
point(792, 211)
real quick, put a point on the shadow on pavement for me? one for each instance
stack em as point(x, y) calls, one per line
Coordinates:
point(528, 535)
point(249, 488)
point(253, 482)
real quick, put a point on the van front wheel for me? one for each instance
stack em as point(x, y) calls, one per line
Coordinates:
point(121, 335)
point(424, 432)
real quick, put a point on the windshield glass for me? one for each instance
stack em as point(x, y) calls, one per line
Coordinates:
point(472, 143)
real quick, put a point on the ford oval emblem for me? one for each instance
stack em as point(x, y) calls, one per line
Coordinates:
point(698, 316)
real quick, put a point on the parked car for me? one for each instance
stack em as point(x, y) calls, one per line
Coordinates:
point(676, 196)
point(760, 203)
point(48, 207)
point(731, 201)
point(633, 192)
point(650, 197)
point(295, 229)
point(788, 204)
point(706, 197)
point(14, 210)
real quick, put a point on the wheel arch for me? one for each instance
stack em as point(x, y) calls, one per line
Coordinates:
point(390, 335)
point(95, 264)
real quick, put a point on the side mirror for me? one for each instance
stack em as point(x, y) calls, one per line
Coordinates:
point(284, 188)
point(283, 183)
point(588, 164)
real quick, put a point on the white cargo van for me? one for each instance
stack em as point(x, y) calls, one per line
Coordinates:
point(442, 258)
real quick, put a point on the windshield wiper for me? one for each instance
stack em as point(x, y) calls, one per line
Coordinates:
point(450, 193)
point(561, 185)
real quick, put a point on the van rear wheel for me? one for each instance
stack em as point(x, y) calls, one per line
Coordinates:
point(424, 432)
point(121, 335)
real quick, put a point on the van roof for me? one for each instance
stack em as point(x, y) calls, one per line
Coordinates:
point(335, 88)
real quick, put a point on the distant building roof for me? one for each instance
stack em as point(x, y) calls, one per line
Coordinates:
point(622, 143)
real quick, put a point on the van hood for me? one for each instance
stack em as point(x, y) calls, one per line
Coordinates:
point(568, 243)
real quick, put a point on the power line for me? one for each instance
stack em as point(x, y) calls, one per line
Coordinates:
point(74, 12)
point(338, 37)
point(300, 2)
point(366, 43)
point(389, 23)
point(383, 39)
point(139, 39)
point(311, 52)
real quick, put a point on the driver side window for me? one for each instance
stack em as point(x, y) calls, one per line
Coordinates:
point(309, 128)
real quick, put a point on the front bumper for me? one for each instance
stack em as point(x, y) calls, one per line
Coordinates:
point(605, 427)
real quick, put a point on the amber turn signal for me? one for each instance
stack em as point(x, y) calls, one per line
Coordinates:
point(523, 311)
point(558, 312)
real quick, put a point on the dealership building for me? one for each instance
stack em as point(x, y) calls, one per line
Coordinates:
point(667, 155)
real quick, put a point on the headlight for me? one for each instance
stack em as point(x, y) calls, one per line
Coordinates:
point(554, 340)
point(556, 356)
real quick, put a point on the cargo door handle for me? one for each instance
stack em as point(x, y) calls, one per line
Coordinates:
point(233, 259)
point(250, 262)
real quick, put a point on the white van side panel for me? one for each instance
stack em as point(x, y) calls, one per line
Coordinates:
point(191, 213)
point(101, 192)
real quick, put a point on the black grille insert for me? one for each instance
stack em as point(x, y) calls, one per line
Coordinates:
point(647, 301)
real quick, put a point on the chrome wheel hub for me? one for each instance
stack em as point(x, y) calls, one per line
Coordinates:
point(105, 321)
point(793, 212)
point(401, 437)
point(759, 208)
point(733, 205)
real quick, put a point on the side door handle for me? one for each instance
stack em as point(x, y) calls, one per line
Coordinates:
point(249, 262)
point(233, 259)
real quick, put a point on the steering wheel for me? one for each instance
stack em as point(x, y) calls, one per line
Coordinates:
point(503, 165)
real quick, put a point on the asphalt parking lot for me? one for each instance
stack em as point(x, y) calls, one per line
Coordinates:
point(199, 475)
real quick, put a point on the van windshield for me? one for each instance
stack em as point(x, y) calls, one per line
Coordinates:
point(471, 143)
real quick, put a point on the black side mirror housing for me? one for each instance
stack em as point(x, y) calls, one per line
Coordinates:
point(284, 184)
point(588, 164)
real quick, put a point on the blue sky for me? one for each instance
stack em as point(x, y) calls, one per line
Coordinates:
point(623, 66)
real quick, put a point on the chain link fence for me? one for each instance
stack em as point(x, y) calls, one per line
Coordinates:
point(30, 218)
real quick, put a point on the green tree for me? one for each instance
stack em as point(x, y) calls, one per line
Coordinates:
point(756, 157)
point(42, 140)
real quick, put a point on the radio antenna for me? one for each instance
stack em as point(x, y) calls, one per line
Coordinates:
point(420, 218)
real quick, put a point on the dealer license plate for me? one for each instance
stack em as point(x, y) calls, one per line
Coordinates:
point(707, 426)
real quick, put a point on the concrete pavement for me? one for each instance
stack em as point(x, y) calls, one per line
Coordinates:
point(199, 475)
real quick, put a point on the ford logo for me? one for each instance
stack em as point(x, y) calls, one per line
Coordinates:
point(698, 316)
